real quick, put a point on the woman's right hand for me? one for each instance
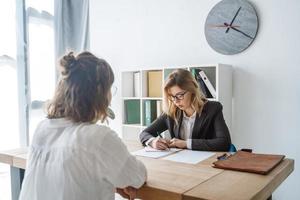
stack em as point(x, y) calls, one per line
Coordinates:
point(159, 143)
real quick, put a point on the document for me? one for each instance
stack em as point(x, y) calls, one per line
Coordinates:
point(189, 156)
point(154, 153)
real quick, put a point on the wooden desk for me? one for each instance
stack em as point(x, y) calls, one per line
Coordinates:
point(173, 180)
point(17, 160)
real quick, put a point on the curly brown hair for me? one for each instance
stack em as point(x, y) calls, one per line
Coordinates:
point(83, 92)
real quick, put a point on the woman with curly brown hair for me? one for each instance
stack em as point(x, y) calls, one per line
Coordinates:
point(72, 157)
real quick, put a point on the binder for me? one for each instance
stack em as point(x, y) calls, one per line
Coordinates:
point(155, 84)
point(136, 84)
point(167, 72)
point(158, 108)
point(203, 87)
point(208, 84)
point(250, 162)
point(132, 111)
point(201, 83)
point(150, 112)
point(193, 71)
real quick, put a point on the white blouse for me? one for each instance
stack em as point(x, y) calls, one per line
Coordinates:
point(186, 129)
point(75, 161)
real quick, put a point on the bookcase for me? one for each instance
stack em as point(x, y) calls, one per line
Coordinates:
point(142, 92)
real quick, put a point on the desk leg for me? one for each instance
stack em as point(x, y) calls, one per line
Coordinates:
point(270, 198)
point(16, 176)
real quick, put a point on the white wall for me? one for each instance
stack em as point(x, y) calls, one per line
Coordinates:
point(143, 34)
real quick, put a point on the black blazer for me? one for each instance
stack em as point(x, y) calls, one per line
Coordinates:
point(210, 132)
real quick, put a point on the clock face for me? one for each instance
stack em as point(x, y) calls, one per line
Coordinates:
point(231, 26)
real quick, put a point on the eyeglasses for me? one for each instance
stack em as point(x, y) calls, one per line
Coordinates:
point(178, 96)
point(113, 90)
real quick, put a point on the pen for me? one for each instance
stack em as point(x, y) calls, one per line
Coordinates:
point(159, 135)
point(222, 157)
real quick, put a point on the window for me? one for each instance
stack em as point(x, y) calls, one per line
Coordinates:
point(40, 72)
point(41, 60)
point(9, 129)
point(9, 118)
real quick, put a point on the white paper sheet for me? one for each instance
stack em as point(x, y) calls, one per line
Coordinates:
point(154, 153)
point(189, 156)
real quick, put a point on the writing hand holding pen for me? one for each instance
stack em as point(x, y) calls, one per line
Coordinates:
point(160, 143)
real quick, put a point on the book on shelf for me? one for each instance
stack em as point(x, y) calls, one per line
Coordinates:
point(150, 113)
point(208, 84)
point(132, 111)
point(136, 84)
point(154, 83)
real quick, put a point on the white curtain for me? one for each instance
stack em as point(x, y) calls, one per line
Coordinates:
point(71, 24)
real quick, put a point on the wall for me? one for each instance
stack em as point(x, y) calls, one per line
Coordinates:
point(139, 34)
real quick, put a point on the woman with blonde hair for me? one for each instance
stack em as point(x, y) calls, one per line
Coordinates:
point(72, 157)
point(193, 121)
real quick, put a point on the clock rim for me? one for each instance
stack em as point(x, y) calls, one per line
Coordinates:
point(254, 37)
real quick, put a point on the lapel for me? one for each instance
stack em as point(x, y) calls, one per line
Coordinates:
point(198, 123)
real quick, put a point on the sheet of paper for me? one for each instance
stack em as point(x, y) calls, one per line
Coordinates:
point(189, 156)
point(149, 149)
point(154, 153)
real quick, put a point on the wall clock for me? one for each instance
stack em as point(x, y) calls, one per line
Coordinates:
point(231, 26)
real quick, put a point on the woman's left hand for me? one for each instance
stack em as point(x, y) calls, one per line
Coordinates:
point(128, 192)
point(175, 142)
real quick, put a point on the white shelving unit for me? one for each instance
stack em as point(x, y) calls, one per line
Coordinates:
point(135, 93)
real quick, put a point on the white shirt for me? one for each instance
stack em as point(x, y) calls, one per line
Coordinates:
point(75, 161)
point(186, 128)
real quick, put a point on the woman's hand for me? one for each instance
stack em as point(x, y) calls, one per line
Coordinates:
point(128, 192)
point(160, 143)
point(178, 143)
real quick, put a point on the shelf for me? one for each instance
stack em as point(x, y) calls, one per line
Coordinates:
point(132, 125)
point(129, 98)
point(143, 89)
point(152, 98)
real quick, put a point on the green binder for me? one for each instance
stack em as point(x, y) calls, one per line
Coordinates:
point(132, 111)
point(149, 111)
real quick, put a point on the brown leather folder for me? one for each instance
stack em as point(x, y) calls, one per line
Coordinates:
point(250, 162)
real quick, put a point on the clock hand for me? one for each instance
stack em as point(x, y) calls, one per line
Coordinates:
point(222, 26)
point(237, 12)
point(238, 30)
